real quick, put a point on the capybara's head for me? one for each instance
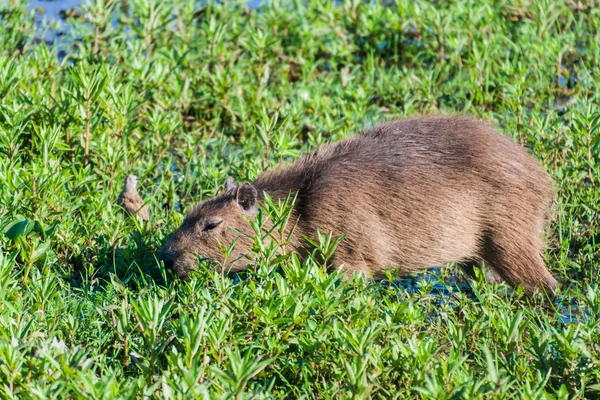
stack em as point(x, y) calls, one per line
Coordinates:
point(211, 228)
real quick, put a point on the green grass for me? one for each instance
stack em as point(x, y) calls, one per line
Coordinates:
point(184, 96)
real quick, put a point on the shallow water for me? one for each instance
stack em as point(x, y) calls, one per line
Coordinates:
point(51, 9)
point(48, 12)
point(51, 12)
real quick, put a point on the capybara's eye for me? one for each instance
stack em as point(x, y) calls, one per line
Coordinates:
point(210, 225)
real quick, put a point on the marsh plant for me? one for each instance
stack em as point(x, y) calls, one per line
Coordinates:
point(184, 94)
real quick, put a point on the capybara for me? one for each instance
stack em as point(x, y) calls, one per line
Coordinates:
point(409, 194)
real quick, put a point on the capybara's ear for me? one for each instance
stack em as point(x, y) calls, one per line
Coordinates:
point(230, 184)
point(246, 198)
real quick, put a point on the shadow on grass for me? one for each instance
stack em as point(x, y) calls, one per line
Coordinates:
point(135, 264)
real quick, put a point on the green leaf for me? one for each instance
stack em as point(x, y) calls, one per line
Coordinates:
point(50, 230)
point(41, 250)
point(18, 228)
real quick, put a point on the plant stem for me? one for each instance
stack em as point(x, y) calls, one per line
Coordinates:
point(589, 154)
point(86, 151)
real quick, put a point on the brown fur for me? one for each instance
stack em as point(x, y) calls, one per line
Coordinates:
point(412, 194)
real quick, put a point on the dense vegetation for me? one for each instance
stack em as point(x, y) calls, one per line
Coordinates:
point(184, 95)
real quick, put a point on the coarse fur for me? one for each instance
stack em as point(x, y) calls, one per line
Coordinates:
point(410, 194)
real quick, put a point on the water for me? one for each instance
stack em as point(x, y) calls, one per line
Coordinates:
point(48, 21)
point(51, 12)
point(52, 9)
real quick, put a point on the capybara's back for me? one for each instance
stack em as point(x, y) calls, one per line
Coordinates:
point(410, 194)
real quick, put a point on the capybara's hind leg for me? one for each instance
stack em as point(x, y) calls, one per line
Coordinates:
point(519, 262)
